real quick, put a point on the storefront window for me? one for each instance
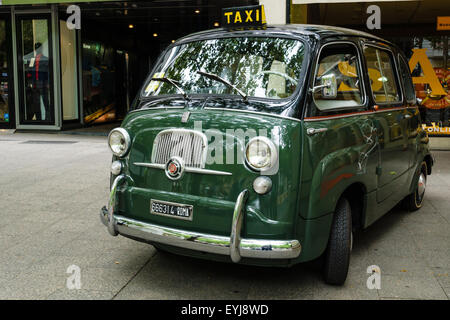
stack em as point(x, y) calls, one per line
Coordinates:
point(430, 64)
point(98, 82)
point(4, 105)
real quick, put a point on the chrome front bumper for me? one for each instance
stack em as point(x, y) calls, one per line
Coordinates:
point(233, 246)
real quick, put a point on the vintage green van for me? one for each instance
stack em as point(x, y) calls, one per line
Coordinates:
point(268, 146)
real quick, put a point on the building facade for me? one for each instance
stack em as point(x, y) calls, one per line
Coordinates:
point(53, 77)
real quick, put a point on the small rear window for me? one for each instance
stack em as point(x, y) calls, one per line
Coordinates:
point(381, 69)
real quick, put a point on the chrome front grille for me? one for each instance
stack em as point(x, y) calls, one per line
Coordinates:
point(189, 145)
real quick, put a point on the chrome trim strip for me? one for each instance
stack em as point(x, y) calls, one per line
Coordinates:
point(150, 165)
point(236, 226)
point(186, 169)
point(248, 248)
point(207, 171)
point(362, 113)
point(254, 112)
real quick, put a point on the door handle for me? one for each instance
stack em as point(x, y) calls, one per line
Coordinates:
point(407, 116)
point(312, 131)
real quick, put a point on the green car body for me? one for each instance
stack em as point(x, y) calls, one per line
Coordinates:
point(372, 157)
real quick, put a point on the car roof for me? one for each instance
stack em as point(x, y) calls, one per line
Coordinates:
point(317, 31)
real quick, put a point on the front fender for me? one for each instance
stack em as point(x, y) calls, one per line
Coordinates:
point(333, 175)
point(333, 161)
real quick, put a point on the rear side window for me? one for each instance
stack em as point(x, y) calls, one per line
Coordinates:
point(405, 74)
point(381, 70)
point(338, 80)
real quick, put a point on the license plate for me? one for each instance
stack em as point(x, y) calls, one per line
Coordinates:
point(171, 209)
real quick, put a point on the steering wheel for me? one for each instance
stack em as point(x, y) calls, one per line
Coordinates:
point(284, 75)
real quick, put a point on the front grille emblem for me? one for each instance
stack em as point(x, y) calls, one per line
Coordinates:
point(174, 168)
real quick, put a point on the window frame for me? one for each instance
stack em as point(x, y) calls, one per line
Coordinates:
point(362, 79)
point(396, 74)
point(400, 60)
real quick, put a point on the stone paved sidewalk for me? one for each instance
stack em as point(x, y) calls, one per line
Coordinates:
point(50, 196)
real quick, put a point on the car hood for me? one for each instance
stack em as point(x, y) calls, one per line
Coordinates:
point(227, 131)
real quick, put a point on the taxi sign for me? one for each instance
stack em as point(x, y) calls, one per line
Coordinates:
point(249, 17)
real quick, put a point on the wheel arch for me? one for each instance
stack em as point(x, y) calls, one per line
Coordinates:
point(429, 161)
point(355, 193)
point(356, 196)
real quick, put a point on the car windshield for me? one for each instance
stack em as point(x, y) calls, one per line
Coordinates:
point(261, 67)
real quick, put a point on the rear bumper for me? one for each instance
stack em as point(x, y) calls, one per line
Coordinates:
point(233, 246)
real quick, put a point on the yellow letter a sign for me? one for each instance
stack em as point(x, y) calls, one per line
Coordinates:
point(429, 76)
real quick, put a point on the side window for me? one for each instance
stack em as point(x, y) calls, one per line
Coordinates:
point(405, 74)
point(338, 79)
point(381, 70)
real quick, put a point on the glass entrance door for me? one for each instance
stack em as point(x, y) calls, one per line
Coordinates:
point(6, 94)
point(35, 64)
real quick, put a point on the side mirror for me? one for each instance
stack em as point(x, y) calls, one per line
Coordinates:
point(328, 84)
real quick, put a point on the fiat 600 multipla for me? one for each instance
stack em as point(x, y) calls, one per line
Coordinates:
point(268, 146)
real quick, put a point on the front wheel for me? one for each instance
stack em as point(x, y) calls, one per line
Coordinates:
point(337, 255)
point(414, 201)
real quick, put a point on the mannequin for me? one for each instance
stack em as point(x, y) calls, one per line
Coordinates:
point(40, 85)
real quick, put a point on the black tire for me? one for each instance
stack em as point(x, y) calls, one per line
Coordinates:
point(337, 255)
point(414, 201)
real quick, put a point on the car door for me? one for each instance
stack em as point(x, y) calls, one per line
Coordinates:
point(389, 118)
point(340, 145)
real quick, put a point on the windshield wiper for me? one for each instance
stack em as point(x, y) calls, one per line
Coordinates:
point(217, 78)
point(175, 83)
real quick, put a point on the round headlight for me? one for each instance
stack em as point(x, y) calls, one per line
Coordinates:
point(261, 153)
point(119, 142)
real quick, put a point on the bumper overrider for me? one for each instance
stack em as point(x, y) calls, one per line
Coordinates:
point(233, 246)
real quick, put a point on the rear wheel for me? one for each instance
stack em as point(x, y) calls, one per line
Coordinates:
point(337, 255)
point(414, 201)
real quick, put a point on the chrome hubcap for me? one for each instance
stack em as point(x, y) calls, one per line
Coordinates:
point(421, 185)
